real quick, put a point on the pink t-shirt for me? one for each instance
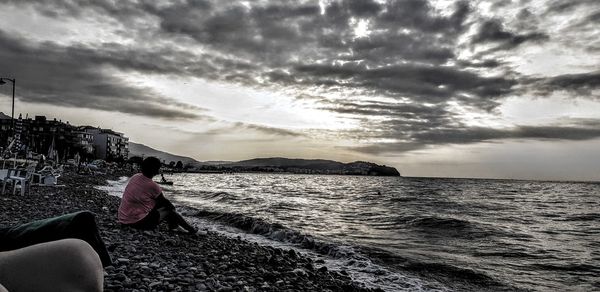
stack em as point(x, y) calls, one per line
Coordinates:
point(138, 199)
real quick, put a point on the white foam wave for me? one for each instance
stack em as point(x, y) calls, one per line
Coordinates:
point(360, 269)
point(115, 187)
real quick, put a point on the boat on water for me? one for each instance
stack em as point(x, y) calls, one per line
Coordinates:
point(164, 181)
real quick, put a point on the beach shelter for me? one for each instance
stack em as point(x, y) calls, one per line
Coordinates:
point(51, 151)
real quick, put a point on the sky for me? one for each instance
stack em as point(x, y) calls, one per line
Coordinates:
point(498, 89)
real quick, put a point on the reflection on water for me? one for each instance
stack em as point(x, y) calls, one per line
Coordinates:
point(515, 234)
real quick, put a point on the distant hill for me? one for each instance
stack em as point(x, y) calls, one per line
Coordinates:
point(275, 164)
point(216, 162)
point(287, 162)
point(136, 149)
point(317, 166)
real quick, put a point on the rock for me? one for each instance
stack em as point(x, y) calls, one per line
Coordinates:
point(154, 265)
point(120, 277)
point(201, 287)
point(299, 271)
point(292, 254)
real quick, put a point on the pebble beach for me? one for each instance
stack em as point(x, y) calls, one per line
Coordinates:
point(165, 261)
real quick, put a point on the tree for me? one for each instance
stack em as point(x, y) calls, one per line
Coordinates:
point(179, 165)
point(135, 160)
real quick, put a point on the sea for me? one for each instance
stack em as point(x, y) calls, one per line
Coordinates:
point(408, 233)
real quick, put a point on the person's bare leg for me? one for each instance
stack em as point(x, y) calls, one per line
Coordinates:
point(174, 219)
point(62, 265)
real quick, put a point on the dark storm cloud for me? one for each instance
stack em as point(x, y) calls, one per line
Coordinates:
point(584, 84)
point(73, 77)
point(467, 135)
point(471, 135)
point(492, 31)
point(402, 112)
point(275, 33)
point(480, 64)
point(280, 42)
point(563, 6)
point(423, 83)
point(380, 148)
point(416, 126)
point(379, 48)
point(410, 55)
point(244, 127)
point(418, 15)
point(268, 130)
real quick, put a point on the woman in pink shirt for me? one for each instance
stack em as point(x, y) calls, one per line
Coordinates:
point(143, 204)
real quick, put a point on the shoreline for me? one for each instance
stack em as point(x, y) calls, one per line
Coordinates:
point(165, 261)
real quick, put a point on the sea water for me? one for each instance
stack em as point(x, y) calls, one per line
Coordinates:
point(427, 234)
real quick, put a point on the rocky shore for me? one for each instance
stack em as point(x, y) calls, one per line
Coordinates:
point(165, 261)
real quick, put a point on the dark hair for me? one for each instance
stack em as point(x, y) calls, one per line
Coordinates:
point(150, 166)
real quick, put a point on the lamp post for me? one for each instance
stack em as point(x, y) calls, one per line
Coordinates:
point(12, 115)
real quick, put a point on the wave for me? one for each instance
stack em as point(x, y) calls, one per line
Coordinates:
point(571, 268)
point(510, 254)
point(458, 277)
point(451, 227)
point(221, 196)
point(440, 223)
point(454, 276)
point(454, 227)
point(276, 231)
point(353, 256)
point(583, 217)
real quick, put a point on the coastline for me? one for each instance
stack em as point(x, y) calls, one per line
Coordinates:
point(164, 261)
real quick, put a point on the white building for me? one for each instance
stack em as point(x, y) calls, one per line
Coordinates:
point(108, 144)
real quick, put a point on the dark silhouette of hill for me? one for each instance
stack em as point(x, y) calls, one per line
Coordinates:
point(317, 166)
point(274, 164)
point(137, 149)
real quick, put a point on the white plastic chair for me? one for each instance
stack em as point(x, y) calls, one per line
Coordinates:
point(4, 178)
point(20, 179)
point(48, 175)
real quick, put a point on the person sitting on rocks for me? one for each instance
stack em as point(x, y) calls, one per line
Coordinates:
point(143, 205)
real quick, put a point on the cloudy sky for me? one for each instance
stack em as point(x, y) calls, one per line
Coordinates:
point(507, 89)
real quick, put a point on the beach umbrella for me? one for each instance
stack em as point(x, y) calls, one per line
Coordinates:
point(51, 151)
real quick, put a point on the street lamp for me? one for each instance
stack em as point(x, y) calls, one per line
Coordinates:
point(12, 115)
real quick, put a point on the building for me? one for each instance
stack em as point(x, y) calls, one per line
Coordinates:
point(43, 136)
point(5, 129)
point(108, 144)
point(85, 141)
point(62, 140)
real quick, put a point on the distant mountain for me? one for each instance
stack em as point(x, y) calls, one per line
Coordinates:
point(275, 164)
point(136, 149)
point(287, 162)
point(317, 166)
point(216, 162)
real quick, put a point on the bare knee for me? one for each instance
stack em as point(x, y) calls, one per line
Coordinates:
point(62, 265)
point(83, 269)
